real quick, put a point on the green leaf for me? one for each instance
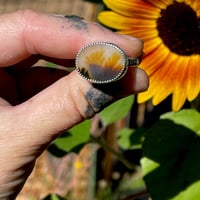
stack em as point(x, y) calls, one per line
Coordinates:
point(73, 140)
point(124, 138)
point(189, 118)
point(53, 197)
point(170, 157)
point(51, 65)
point(54, 66)
point(117, 110)
point(132, 182)
point(130, 139)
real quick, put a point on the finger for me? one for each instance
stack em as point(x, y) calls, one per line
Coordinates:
point(35, 123)
point(3, 102)
point(70, 99)
point(62, 105)
point(30, 33)
point(134, 81)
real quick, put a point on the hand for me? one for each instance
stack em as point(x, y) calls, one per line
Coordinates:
point(29, 126)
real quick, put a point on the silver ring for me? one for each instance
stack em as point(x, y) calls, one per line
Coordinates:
point(103, 62)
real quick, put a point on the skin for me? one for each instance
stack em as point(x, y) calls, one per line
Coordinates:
point(38, 104)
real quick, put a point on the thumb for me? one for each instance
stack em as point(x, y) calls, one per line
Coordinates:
point(67, 102)
point(27, 129)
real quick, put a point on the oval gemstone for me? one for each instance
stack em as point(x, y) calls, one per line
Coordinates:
point(101, 62)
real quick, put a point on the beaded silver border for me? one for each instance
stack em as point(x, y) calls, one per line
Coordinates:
point(127, 62)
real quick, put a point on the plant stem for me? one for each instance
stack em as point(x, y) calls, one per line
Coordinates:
point(101, 141)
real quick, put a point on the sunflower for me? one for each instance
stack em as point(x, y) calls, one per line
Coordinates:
point(171, 33)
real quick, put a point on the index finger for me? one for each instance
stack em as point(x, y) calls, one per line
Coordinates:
point(26, 33)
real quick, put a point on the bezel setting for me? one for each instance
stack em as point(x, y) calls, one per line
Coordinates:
point(103, 62)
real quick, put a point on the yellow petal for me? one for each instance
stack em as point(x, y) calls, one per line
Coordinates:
point(144, 96)
point(193, 82)
point(195, 4)
point(180, 84)
point(162, 4)
point(151, 45)
point(144, 33)
point(117, 21)
point(154, 60)
point(164, 78)
point(133, 8)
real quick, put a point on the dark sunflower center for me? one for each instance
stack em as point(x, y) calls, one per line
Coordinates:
point(179, 28)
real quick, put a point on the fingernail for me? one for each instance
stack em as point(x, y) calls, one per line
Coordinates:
point(142, 81)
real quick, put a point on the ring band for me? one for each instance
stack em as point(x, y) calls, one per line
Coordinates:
point(103, 62)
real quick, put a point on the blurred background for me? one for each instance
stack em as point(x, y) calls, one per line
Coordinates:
point(86, 9)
